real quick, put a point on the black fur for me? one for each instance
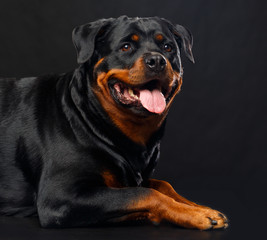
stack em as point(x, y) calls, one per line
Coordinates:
point(55, 138)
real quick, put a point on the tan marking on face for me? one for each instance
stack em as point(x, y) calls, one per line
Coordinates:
point(135, 37)
point(159, 37)
point(137, 128)
point(98, 63)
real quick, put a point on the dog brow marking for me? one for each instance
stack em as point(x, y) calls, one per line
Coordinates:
point(159, 37)
point(135, 37)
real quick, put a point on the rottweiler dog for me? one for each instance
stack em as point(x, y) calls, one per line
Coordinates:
point(78, 149)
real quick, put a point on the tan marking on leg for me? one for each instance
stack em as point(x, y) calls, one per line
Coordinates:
point(162, 207)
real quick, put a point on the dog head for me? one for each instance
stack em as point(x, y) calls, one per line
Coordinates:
point(134, 63)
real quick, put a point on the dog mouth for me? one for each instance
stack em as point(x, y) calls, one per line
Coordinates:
point(151, 97)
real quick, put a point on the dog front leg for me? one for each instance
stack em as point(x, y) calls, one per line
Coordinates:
point(167, 189)
point(105, 204)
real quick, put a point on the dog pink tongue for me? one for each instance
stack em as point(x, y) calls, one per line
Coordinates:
point(153, 101)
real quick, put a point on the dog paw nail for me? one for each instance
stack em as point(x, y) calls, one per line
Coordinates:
point(213, 222)
point(155, 223)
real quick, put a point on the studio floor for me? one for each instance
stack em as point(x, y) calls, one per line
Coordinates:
point(244, 224)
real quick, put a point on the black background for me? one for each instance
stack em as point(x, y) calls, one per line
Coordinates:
point(214, 149)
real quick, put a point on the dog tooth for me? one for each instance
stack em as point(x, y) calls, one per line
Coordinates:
point(131, 92)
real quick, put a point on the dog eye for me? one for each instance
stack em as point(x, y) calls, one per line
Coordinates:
point(167, 47)
point(126, 47)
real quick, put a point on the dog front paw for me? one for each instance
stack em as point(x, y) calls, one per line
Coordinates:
point(207, 218)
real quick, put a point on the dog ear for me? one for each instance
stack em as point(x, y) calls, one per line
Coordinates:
point(84, 38)
point(184, 39)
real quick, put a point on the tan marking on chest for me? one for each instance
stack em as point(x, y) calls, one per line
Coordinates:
point(110, 179)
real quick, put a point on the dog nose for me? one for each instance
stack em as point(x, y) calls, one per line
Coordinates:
point(155, 62)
